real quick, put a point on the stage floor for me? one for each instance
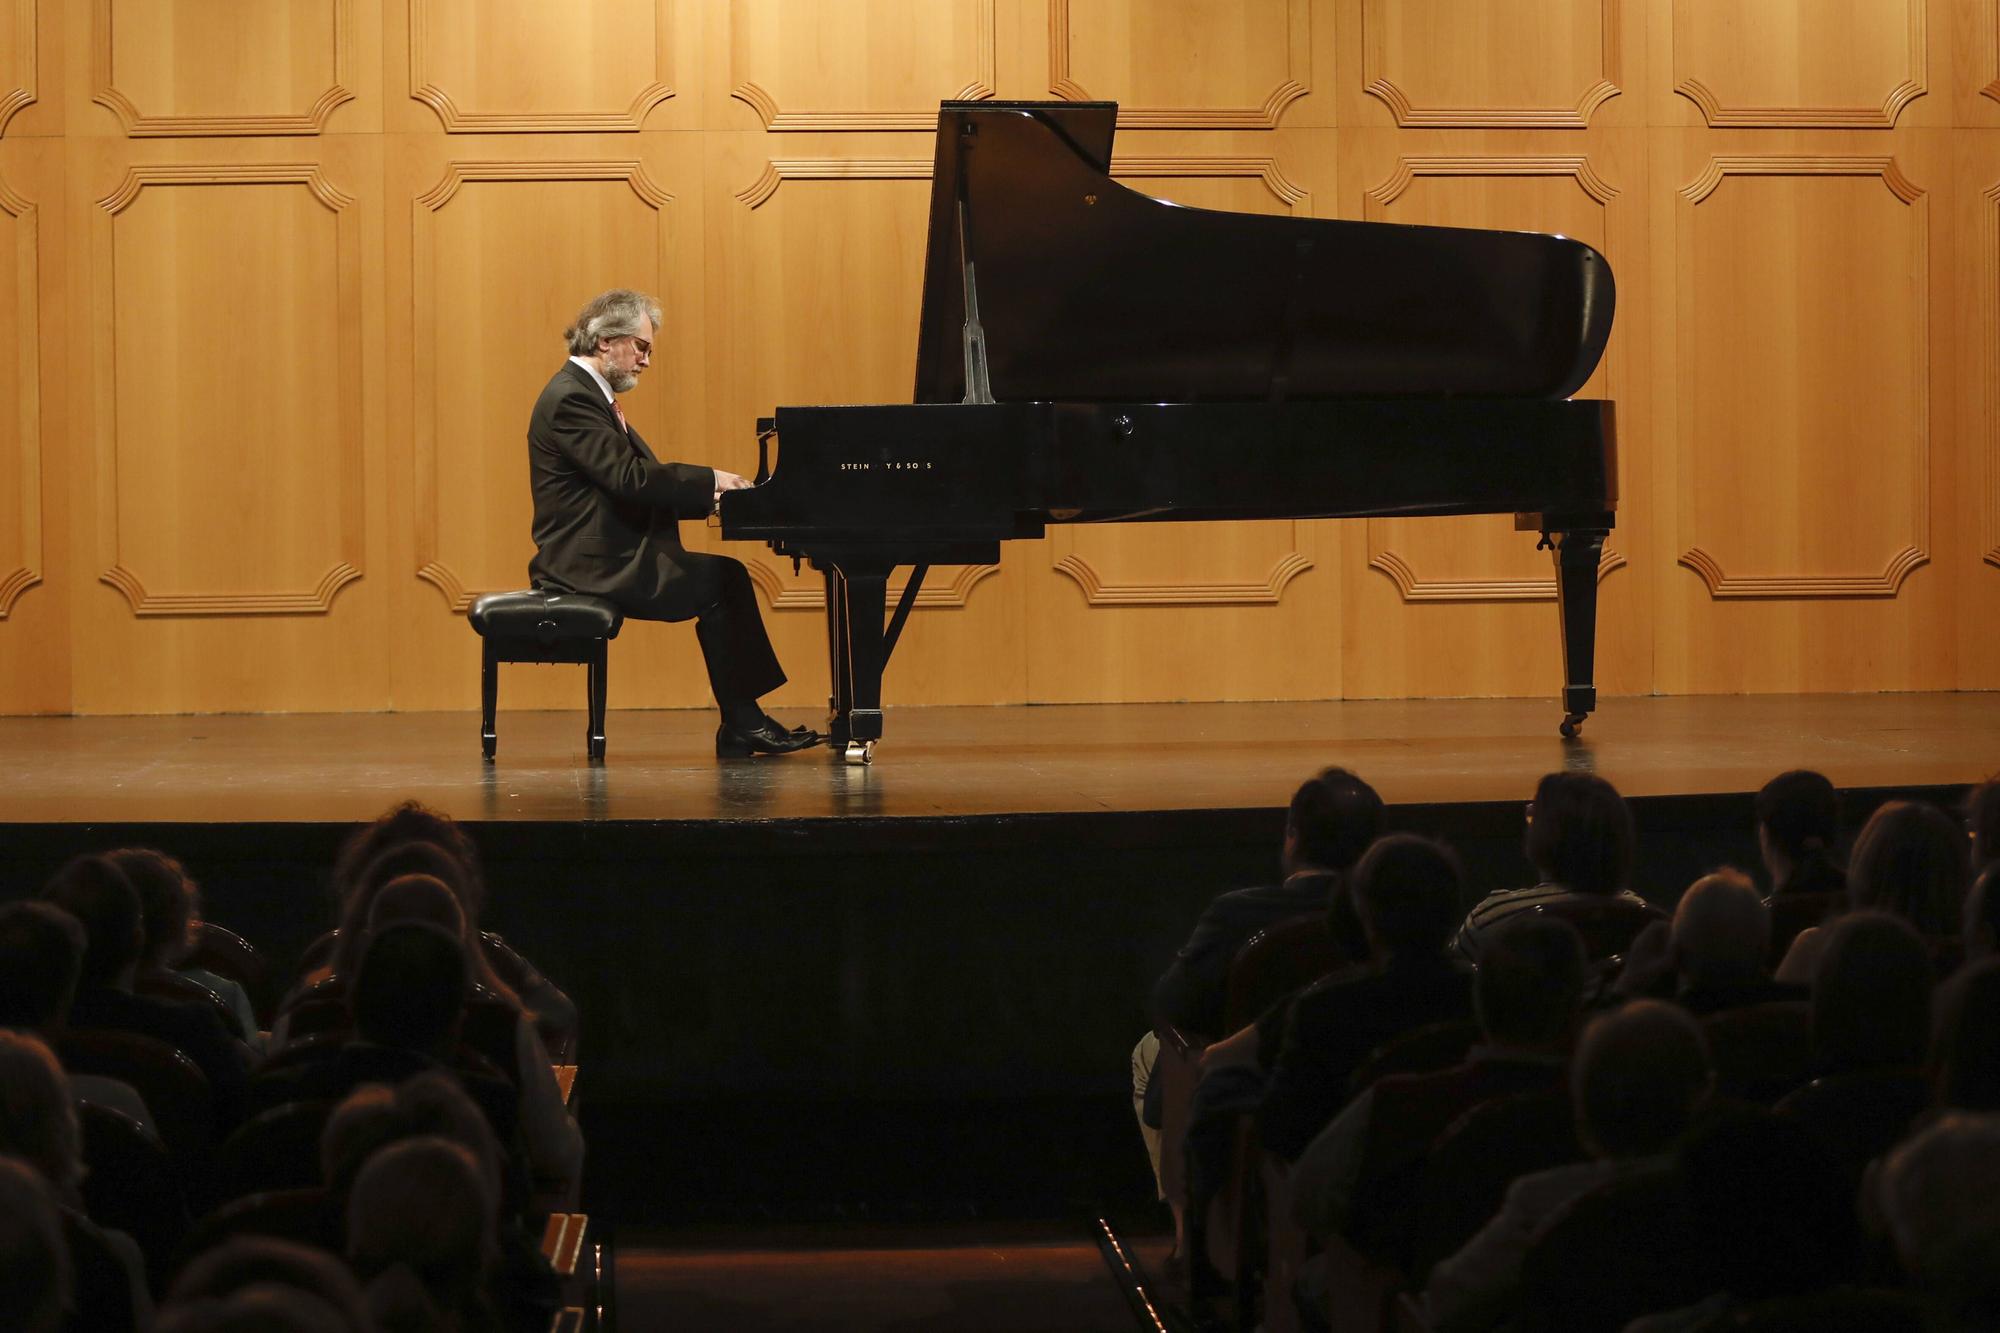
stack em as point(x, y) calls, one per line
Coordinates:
point(970, 762)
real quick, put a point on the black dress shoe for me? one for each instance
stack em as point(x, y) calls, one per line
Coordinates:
point(765, 738)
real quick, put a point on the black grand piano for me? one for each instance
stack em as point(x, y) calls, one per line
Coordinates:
point(1089, 354)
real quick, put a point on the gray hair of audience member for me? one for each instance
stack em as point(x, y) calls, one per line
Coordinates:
point(1722, 929)
point(1530, 983)
point(612, 314)
point(167, 901)
point(1407, 888)
point(1980, 932)
point(1871, 999)
point(1910, 859)
point(1581, 835)
point(41, 957)
point(34, 1259)
point(253, 1263)
point(1966, 1057)
point(374, 1115)
point(37, 1114)
point(410, 990)
point(1940, 1194)
point(420, 1231)
point(1776, 1205)
point(1637, 1078)
point(96, 892)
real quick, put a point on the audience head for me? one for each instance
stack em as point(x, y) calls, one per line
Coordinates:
point(1722, 929)
point(1982, 822)
point(374, 1116)
point(167, 902)
point(1530, 982)
point(1940, 1194)
point(1910, 859)
point(1777, 1207)
point(1871, 999)
point(1798, 822)
point(211, 1283)
point(1981, 928)
point(37, 1116)
point(1580, 833)
point(1333, 818)
point(412, 821)
point(411, 988)
point(1638, 1076)
point(1407, 889)
point(41, 957)
point(34, 1260)
point(95, 892)
point(1967, 1055)
point(417, 898)
point(420, 1232)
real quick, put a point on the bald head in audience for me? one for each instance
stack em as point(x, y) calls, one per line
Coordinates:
point(1638, 1077)
point(1721, 930)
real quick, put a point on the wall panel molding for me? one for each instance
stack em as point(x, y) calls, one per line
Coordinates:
point(142, 125)
point(786, 595)
point(779, 170)
point(1413, 587)
point(1719, 113)
point(345, 566)
point(1382, 84)
point(17, 86)
point(425, 88)
point(1914, 552)
point(979, 87)
point(432, 567)
point(26, 572)
point(1263, 115)
point(1098, 590)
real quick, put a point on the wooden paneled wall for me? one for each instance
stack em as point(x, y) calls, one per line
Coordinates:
point(279, 280)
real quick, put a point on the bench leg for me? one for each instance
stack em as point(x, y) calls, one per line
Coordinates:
point(489, 697)
point(598, 656)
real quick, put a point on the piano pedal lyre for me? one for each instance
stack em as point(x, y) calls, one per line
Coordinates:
point(860, 752)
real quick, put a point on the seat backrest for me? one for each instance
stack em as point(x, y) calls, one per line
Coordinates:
point(1419, 1051)
point(1794, 912)
point(1860, 1115)
point(1628, 1248)
point(179, 990)
point(173, 1087)
point(1276, 961)
point(222, 951)
point(277, 1149)
point(1473, 1162)
point(1760, 1051)
point(1608, 923)
point(131, 1184)
point(303, 1215)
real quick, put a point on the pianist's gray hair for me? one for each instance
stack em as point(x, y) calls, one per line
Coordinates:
point(615, 314)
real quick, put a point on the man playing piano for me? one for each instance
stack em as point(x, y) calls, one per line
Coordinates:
point(606, 516)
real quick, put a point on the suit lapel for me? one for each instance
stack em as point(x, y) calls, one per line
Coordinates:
point(589, 385)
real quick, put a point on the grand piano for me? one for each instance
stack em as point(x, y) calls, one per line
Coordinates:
point(1089, 354)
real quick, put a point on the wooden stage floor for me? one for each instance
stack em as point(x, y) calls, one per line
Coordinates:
point(970, 762)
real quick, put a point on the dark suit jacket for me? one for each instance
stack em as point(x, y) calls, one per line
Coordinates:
point(605, 507)
point(1189, 994)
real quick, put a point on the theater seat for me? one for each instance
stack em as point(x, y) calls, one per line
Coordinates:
point(537, 626)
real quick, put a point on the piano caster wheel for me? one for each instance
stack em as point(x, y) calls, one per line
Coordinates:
point(1572, 724)
point(861, 752)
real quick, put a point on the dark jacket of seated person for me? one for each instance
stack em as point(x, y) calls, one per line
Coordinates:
point(1406, 889)
point(96, 893)
point(1332, 819)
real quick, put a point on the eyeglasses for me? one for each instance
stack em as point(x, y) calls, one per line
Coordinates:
point(640, 345)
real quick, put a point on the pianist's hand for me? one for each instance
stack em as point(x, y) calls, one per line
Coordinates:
point(728, 481)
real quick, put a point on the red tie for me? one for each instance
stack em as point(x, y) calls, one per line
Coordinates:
point(620, 412)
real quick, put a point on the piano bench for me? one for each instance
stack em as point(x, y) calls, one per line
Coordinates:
point(534, 625)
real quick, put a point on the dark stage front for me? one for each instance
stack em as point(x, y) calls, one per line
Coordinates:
point(812, 988)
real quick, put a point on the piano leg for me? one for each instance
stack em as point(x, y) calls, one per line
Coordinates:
point(1577, 554)
point(841, 682)
point(864, 601)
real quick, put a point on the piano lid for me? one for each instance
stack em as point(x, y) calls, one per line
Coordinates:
point(1090, 291)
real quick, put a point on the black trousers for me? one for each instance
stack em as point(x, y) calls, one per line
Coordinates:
point(741, 663)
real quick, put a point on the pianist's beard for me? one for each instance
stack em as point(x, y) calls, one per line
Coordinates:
point(621, 381)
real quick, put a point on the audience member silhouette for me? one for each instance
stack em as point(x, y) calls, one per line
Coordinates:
point(1639, 1075)
point(1966, 1058)
point(1580, 841)
point(1711, 957)
point(1981, 931)
point(420, 1236)
point(35, 1286)
point(1940, 1195)
point(1798, 825)
point(1982, 822)
point(1910, 859)
point(207, 1287)
point(41, 958)
point(1871, 1001)
point(170, 909)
